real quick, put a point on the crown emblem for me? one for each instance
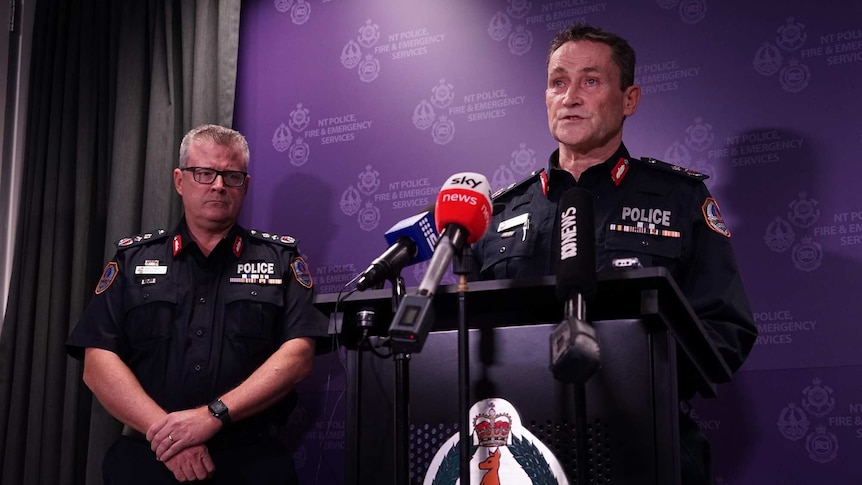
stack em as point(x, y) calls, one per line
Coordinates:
point(492, 429)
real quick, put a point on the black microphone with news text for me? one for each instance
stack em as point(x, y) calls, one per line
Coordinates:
point(462, 213)
point(574, 346)
point(410, 241)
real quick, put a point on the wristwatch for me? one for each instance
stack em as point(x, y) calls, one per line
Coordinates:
point(219, 411)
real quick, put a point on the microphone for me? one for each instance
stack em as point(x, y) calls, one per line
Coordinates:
point(410, 241)
point(574, 346)
point(463, 213)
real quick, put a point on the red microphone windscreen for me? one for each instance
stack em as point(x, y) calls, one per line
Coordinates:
point(465, 199)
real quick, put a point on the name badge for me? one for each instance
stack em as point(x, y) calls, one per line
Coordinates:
point(513, 222)
point(148, 269)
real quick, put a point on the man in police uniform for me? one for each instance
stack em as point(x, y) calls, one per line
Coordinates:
point(196, 337)
point(661, 214)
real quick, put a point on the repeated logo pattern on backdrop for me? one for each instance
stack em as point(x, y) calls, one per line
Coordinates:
point(357, 111)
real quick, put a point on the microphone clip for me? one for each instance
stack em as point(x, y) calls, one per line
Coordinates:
point(574, 350)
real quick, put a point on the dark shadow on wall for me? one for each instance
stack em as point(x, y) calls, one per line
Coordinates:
point(772, 195)
point(301, 207)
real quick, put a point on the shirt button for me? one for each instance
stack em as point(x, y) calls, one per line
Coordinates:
point(146, 295)
point(253, 292)
point(198, 368)
point(503, 249)
point(644, 243)
point(199, 333)
point(202, 300)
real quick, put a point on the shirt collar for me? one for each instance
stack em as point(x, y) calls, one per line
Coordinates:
point(182, 240)
point(590, 176)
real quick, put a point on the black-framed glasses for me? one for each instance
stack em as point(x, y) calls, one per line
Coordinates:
point(230, 178)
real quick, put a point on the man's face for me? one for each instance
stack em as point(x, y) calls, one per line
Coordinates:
point(214, 205)
point(586, 106)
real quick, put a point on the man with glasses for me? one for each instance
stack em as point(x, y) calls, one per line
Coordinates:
point(196, 337)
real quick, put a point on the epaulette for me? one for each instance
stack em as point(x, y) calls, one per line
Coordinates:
point(535, 175)
point(140, 239)
point(288, 241)
point(671, 168)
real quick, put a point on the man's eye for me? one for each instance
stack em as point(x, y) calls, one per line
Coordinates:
point(205, 173)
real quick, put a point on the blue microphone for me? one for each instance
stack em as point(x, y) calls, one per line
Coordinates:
point(411, 241)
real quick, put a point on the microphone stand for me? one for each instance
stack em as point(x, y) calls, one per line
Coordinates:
point(574, 359)
point(462, 266)
point(578, 309)
point(402, 396)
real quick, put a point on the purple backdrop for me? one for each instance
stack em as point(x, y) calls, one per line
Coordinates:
point(356, 111)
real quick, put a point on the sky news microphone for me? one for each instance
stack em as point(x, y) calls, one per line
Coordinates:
point(574, 345)
point(463, 213)
point(410, 241)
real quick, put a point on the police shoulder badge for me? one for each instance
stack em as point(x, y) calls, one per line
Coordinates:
point(670, 168)
point(536, 175)
point(128, 242)
point(713, 218)
point(266, 236)
point(301, 272)
point(108, 276)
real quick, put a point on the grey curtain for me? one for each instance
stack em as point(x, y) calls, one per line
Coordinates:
point(113, 87)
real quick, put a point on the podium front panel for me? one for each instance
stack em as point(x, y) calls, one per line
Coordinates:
point(631, 401)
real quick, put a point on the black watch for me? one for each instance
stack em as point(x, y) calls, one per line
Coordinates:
point(219, 411)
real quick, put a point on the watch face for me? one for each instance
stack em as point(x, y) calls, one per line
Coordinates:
point(217, 408)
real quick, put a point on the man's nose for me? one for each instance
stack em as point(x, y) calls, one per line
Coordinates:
point(572, 96)
point(218, 183)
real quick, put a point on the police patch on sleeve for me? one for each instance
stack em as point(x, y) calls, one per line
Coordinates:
point(108, 275)
point(301, 272)
point(713, 218)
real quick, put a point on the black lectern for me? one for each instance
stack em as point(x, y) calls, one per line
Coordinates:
point(646, 331)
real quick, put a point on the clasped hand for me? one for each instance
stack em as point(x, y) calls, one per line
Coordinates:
point(177, 440)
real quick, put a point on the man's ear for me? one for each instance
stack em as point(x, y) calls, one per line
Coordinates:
point(178, 181)
point(631, 98)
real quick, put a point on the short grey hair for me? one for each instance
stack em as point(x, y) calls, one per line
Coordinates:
point(214, 134)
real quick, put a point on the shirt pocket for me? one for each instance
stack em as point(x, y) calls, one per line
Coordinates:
point(648, 249)
point(253, 312)
point(502, 254)
point(150, 313)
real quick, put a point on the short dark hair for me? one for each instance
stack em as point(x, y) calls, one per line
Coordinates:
point(621, 52)
point(215, 134)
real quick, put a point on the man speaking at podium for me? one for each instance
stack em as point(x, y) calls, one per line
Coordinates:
point(647, 212)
